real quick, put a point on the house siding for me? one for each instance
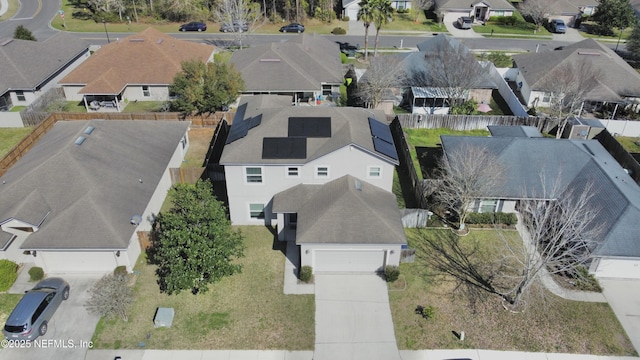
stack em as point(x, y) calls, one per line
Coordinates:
point(275, 180)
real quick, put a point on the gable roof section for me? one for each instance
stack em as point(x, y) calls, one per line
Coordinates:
point(147, 58)
point(463, 5)
point(349, 126)
point(301, 64)
point(88, 192)
point(514, 131)
point(344, 211)
point(575, 163)
point(27, 64)
point(618, 78)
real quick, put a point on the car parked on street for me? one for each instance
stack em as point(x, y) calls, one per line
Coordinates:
point(30, 318)
point(194, 26)
point(237, 26)
point(557, 26)
point(465, 22)
point(293, 27)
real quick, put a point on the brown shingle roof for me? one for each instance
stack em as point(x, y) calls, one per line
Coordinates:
point(148, 58)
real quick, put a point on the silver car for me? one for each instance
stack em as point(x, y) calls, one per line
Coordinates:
point(30, 318)
point(465, 22)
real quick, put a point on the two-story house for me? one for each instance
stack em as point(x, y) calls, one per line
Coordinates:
point(279, 160)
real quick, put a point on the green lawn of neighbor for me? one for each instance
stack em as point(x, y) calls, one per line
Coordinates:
point(10, 137)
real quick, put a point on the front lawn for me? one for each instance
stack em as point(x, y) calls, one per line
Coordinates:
point(631, 144)
point(244, 311)
point(520, 27)
point(10, 137)
point(553, 325)
point(405, 22)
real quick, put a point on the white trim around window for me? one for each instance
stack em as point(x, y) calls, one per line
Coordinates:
point(256, 211)
point(321, 172)
point(374, 172)
point(253, 175)
point(292, 171)
point(145, 91)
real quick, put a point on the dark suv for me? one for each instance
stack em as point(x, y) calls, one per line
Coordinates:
point(29, 319)
point(194, 26)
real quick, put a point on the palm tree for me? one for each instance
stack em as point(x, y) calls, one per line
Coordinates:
point(365, 14)
point(382, 13)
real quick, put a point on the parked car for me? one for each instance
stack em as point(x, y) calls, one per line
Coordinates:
point(293, 27)
point(30, 318)
point(557, 26)
point(237, 26)
point(194, 26)
point(465, 22)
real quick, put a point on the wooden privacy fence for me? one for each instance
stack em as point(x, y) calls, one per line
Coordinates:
point(406, 163)
point(472, 122)
point(186, 175)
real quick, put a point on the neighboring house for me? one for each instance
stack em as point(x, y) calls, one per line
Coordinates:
point(138, 67)
point(530, 161)
point(311, 168)
point(75, 202)
point(421, 98)
point(30, 68)
point(478, 10)
point(351, 8)
point(617, 83)
point(571, 10)
point(304, 67)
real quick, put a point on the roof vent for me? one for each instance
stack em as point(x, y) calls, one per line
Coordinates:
point(136, 40)
point(269, 60)
point(6, 42)
point(80, 140)
point(358, 185)
point(628, 171)
point(89, 130)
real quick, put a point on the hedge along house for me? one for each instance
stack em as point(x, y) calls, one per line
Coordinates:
point(139, 67)
point(534, 164)
point(75, 202)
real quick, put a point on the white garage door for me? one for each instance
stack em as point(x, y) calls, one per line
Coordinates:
point(77, 262)
point(352, 12)
point(618, 268)
point(348, 260)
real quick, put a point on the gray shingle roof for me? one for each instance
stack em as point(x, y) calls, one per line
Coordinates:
point(89, 191)
point(349, 126)
point(338, 213)
point(514, 131)
point(26, 64)
point(618, 79)
point(576, 163)
point(300, 64)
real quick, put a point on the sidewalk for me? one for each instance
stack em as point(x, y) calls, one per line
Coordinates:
point(4, 6)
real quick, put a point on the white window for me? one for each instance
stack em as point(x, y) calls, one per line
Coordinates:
point(374, 172)
point(145, 91)
point(487, 206)
point(256, 211)
point(253, 175)
point(20, 95)
point(293, 171)
point(322, 171)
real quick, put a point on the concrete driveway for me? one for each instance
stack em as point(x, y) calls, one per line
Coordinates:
point(70, 329)
point(624, 298)
point(353, 319)
point(450, 21)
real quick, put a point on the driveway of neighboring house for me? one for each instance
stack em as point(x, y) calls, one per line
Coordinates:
point(70, 329)
point(624, 298)
point(353, 318)
point(572, 35)
point(450, 20)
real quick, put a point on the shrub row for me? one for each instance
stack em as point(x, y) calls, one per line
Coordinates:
point(492, 218)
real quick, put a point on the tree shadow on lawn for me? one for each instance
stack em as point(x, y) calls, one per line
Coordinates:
point(428, 158)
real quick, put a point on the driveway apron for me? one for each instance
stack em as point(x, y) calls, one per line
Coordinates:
point(624, 298)
point(353, 319)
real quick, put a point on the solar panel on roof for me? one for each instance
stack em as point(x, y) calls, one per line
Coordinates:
point(238, 130)
point(315, 127)
point(255, 121)
point(284, 148)
point(385, 148)
point(380, 131)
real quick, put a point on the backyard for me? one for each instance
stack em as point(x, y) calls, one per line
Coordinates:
point(244, 311)
point(10, 137)
point(549, 323)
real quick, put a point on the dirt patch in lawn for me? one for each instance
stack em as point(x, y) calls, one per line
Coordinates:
point(199, 141)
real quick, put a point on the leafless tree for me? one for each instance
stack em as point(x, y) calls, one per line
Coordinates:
point(237, 14)
point(568, 86)
point(466, 174)
point(451, 67)
point(384, 75)
point(421, 5)
point(559, 235)
point(537, 10)
point(110, 296)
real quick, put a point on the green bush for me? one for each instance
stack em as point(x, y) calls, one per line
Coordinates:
point(586, 281)
point(338, 31)
point(8, 274)
point(36, 273)
point(305, 273)
point(120, 270)
point(427, 312)
point(345, 18)
point(504, 20)
point(391, 273)
point(532, 111)
point(500, 59)
point(492, 218)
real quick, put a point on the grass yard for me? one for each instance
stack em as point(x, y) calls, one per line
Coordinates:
point(14, 5)
point(7, 303)
point(593, 31)
point(10, 137)
point(406, 22)
point(244, 311)
point(199, 141)
point(143, 106)
point(520, 28)
point(631, 144)
point(553, 325)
